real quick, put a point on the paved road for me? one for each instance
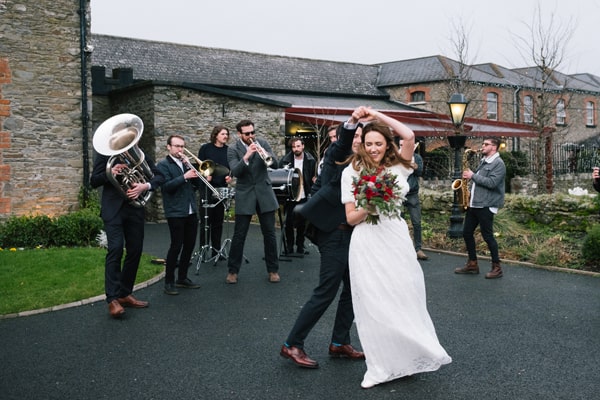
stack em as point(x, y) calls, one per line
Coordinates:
point(534, 334)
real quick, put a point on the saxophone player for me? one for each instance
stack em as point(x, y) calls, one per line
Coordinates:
point(487, 196)
point(248, 160)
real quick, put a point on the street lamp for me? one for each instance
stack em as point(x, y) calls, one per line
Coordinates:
point(458, 107)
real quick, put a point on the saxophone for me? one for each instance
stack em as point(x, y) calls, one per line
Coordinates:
point(460, 186)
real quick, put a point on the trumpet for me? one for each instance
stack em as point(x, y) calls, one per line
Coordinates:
point(201, 175)
point(266, 157)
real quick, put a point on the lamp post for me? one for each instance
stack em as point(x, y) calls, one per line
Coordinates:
point(458, 107)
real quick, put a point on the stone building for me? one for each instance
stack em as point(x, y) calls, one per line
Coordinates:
point(58, 83)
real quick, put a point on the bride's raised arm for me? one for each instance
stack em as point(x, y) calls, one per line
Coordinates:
point(398, 129)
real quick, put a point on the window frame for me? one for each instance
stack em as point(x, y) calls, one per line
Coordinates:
point(491, 101)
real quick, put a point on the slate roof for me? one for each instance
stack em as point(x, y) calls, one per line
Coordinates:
point(164, 61)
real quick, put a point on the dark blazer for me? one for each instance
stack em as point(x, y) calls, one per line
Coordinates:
point(308, 169)
point(325, 209)
point(177, 194)
point(112, 198)
point(253, 188)
point(596, 184)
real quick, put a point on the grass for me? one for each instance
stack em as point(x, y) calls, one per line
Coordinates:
point(536, 244)
point(39, 278)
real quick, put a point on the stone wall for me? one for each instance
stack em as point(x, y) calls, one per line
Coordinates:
point(41, 144)
point(167, 110)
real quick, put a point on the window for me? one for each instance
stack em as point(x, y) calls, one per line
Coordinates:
point(590, 114)
point(561, 114)
point(417, 97)
point(492, 106)
point(528, 109)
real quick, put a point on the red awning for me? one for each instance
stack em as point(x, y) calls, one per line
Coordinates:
point(424, 124)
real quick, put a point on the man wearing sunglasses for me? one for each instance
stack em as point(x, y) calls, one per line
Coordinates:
point(487, 196)
point(253, 195)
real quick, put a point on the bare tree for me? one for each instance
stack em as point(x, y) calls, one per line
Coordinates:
point(546, 47)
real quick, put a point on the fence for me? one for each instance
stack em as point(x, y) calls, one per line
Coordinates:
point(567, 158)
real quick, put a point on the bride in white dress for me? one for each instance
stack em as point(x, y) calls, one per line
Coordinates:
point(388, 288)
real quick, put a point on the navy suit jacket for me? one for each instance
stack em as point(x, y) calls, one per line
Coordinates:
point(112, 198)
point(325, 209)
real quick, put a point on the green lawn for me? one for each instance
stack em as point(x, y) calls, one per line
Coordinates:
point(39, 278)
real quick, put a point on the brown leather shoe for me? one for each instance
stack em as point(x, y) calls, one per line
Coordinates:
point(346, 351)
point(130, 301)
point(496, 272)
point(274, 277)
point(115, 309)
point(470, 267)
point(231, 278)
point(422, 256)
point(298, 356)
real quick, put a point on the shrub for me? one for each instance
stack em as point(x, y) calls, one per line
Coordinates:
point(75, 229)
point(591, 246)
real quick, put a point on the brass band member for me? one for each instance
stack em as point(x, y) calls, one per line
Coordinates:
point(306, 163)
point(181, 210)
point(215, 151)
point(253, 194)
point(124, 227)
point(487, 196)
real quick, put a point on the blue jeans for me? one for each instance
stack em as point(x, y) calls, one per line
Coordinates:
point(413, 206)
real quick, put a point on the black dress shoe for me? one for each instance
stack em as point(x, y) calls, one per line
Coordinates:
point(346, 351)
point(298, 356)
point(186, 283)
point(170, 289)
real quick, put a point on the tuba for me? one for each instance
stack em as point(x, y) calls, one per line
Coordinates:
point(117, 137)
point(460, 186)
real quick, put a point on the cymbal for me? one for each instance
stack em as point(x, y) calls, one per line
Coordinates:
point(220, 170)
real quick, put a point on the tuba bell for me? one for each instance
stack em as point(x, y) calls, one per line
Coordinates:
point(117, 137)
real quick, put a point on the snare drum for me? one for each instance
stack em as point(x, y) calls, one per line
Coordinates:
point(225, 192)
point(287, 183)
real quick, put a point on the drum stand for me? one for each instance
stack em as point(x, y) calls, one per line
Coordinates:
point(205, 250)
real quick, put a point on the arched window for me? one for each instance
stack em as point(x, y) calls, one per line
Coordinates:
point(528, 109)
point(417, 97)
point(492, 106)
point(561, 113)
point(590, 114)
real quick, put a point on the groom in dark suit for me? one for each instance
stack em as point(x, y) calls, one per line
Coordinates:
point(253, 194)
point(326, 212)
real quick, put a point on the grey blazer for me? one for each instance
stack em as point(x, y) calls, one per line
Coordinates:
point(253, 188)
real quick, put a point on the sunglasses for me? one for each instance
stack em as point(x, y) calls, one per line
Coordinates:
point(248, 133)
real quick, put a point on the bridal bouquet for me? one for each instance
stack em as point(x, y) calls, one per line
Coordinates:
point(376, 192)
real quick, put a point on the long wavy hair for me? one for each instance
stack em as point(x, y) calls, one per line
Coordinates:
point(362, 160)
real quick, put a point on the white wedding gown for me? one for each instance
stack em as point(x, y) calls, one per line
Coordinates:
point(388, 295)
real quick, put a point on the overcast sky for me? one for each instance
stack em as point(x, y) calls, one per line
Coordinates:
point(368, 32)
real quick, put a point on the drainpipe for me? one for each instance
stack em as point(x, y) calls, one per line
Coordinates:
point(83, 51)
point(516, 142)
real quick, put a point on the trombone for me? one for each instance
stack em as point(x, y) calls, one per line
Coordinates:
point(206, 169)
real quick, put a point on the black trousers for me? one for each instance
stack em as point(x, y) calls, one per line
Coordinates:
point(183, 239)
point(333, 247)
point(294, 222)
point(126, 229)
point(240, 231)
point(485, 219)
